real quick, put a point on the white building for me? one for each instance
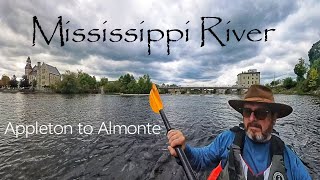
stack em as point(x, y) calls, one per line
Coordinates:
point(246, 79)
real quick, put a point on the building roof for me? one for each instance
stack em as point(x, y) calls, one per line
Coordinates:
point(248, 73)
point(52, 70)
point(34, 70)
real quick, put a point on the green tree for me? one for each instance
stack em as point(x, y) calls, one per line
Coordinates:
point(132, 87)
point(300, 70)
point(288, 83)
point(144, 84)
point(314, 52)
point(125, 81)
point(24, 82)
point(13, 82)
point(303, 86)
point(173, 85)
point(316, 65)
point(275, 83)
point(5, 80)
point(87, 83)
point(112, 87)
point(103, 81)
point(313, 77)
point(69, 83)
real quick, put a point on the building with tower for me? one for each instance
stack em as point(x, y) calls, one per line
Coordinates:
point(44, 74)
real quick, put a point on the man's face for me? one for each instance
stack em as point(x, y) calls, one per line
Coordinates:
point(258, 121)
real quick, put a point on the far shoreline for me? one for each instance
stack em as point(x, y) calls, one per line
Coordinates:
point(275, 91)
point(295, 92)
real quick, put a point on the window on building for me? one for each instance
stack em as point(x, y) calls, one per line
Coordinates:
point(43, 77)
point(248, 82)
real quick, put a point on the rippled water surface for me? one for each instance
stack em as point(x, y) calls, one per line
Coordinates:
point(131, 156)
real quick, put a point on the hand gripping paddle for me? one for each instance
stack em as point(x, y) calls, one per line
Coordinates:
point(157, 107)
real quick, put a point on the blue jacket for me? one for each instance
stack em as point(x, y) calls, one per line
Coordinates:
point(257, 156)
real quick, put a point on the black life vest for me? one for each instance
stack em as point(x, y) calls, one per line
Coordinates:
point(235, 167)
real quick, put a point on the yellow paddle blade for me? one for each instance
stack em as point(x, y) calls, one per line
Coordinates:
point(155, 100)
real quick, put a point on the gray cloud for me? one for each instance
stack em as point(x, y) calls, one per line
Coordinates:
point(296, 24)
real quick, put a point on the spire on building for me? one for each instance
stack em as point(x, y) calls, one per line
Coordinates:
point(28, 65)
point(29, 60)
point(28, 68)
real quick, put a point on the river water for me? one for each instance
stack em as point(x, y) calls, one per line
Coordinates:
point(129, 156)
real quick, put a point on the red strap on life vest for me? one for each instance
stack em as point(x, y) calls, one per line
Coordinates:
point(215, 172)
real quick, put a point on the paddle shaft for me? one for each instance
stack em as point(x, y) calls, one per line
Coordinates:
point(182, 156)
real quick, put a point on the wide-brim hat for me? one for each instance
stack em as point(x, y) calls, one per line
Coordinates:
point(261, 94)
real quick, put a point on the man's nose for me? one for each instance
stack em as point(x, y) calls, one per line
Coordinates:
point(252, 117)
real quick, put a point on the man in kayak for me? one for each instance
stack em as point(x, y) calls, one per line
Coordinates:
point(251, 150)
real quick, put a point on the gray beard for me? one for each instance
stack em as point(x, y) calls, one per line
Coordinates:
point(259, 138)
point(264, 137)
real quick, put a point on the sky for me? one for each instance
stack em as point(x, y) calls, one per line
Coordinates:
point(296, 24)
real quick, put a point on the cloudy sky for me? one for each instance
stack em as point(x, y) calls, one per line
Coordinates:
point(296, 24)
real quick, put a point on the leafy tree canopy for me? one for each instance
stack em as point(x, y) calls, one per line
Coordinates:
point(288, 83)
point(314, 52)
point(24, 82)
point(300, 69)
point(5, 80)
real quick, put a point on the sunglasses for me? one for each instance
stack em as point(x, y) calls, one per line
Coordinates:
point(258, 113)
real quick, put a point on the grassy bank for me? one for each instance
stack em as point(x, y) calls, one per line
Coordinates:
point(282, 90)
